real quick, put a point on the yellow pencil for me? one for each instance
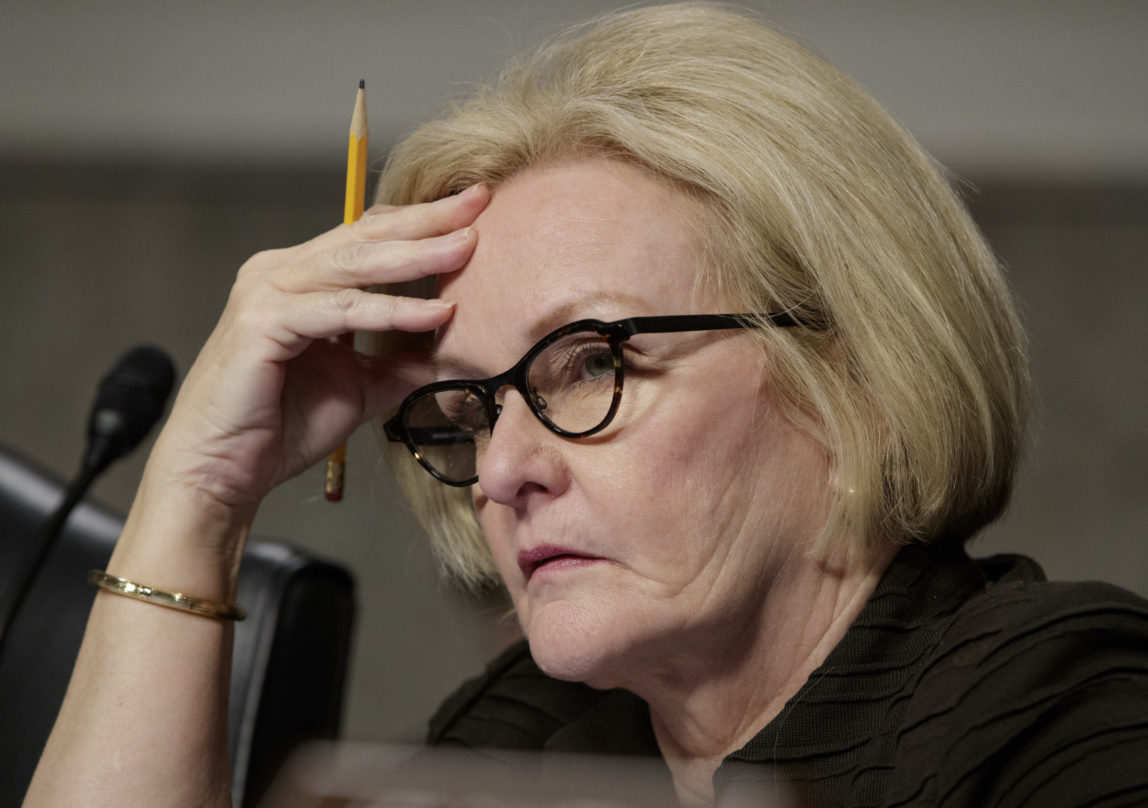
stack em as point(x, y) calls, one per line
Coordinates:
point(352, 210)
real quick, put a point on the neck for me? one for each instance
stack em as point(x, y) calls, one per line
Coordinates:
point(713, 702)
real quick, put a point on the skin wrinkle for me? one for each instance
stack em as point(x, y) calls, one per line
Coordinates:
point(722, 563)
point(815, 646)
point(747, 711)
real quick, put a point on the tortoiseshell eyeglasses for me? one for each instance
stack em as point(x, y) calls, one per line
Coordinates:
point(571, 380)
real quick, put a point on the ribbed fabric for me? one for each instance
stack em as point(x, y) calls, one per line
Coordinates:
point(961, 683)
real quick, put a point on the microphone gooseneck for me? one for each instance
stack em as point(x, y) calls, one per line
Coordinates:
point(129, 402)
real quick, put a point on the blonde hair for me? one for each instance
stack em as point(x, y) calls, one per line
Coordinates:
point(821, 204)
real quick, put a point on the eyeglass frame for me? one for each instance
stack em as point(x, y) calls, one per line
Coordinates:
point(616, 333)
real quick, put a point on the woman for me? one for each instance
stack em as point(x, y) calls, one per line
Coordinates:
point(733, 541)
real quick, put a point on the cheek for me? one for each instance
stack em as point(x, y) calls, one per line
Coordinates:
point(718, 462)
point(699, 443)
point(496, 529)
point(673, 475)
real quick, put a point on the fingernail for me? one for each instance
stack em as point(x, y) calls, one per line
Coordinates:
point(439, 304)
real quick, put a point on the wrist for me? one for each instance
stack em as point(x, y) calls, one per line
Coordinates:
point(181, 538)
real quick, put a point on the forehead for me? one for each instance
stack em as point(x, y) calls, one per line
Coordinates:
point(588, 239)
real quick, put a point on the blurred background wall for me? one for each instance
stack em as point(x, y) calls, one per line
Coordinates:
point(148, 148)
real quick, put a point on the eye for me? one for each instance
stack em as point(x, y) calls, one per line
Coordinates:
point(570, 362)
point(591, 361)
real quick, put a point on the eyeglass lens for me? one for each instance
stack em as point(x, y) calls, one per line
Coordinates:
point(571, 386)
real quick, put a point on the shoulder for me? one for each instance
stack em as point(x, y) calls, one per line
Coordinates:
point(511, 705)
point(1035, 694)
point(1026, 627)
point(1064, 634)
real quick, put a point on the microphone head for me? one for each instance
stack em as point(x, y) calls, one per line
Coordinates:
point(130, 400)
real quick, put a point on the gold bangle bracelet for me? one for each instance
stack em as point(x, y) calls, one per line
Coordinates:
point(172, 600)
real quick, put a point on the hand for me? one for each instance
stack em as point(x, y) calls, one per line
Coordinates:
point(270, 393)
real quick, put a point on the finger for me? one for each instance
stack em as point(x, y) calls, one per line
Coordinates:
point(358, 264)
point(346, 389)
point(385, 222)
point(406, 222)
point(361, 264)
point(390, 379)
point(348, 261)
point(321, 315)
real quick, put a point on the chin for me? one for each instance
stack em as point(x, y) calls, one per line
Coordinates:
point(588, 645)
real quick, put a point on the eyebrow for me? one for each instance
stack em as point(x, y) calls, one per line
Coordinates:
point(580, 308)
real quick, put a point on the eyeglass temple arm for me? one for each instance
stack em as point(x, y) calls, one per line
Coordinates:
point(706, 322)
point(431, 436)
point(422, 435)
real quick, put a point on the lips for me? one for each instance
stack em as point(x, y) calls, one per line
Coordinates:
point(550, 556)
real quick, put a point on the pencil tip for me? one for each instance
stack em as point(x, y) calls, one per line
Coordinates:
point(362, 84)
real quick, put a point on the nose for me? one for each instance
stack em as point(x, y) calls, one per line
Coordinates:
point(521, 458)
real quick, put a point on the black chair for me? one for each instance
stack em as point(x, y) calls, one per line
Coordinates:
point(290, 657)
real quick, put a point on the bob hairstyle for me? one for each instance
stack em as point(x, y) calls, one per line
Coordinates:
point(817, 202)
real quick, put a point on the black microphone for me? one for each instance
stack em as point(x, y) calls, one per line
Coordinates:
point(130, 400)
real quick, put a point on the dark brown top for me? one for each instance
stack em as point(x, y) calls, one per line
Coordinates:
point(961, 683)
